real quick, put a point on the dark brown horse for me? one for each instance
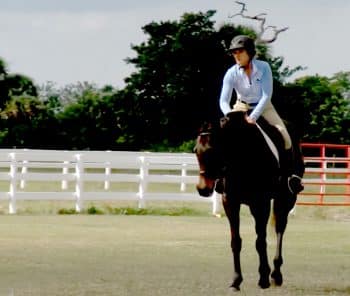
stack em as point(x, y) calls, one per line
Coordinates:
point(238, 154)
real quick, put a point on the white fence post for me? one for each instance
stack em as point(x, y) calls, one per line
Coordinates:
point(13, 183)
point(24, 171)
point(107, 173)
point(79, 184)
point(183, 175)
point(64, 184)
point(216, 199)
point(143, 182)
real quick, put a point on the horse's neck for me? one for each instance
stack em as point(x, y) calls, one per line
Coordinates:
point(248, 146)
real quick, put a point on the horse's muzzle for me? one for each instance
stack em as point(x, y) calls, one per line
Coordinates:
point(205, 192)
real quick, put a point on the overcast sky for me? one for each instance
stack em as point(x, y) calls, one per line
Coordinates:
point(67, 41)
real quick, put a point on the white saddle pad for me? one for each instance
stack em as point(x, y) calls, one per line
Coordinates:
point(271, 145)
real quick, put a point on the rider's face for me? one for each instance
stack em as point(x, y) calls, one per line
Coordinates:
point(241, 57)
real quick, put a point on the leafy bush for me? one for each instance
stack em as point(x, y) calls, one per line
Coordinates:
point(94, 211)
point(67, 212)
point(181, 211)
point(128, 211)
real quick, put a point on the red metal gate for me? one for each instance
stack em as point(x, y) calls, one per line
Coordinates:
point(327, 175)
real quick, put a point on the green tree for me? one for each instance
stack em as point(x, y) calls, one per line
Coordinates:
point(94, 121)
point(12, 84)
point(327, 109)
point(27, 123)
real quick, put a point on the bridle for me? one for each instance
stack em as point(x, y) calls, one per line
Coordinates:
point(203, 172)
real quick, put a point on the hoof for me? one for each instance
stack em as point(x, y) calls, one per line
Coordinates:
point(277, 278)
point(234, 289)
point(264, 283)
point(237, 282)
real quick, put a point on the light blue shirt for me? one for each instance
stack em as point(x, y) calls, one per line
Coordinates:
point(256, 90)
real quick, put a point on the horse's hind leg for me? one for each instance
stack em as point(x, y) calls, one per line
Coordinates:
point(232, 211)
point(261, 213)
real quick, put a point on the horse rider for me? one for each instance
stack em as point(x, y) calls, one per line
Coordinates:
point(253, 83)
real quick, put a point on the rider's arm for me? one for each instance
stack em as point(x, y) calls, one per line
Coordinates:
point(266, 93)
point(226, 93)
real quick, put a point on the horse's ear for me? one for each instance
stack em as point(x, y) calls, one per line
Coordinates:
point(224, 121)
point(205, 127)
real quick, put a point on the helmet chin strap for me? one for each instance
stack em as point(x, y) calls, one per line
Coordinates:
point(246, 66)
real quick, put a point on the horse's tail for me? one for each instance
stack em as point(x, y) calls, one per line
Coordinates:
point(273, 219)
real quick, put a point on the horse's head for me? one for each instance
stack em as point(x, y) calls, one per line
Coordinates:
point(207, 150)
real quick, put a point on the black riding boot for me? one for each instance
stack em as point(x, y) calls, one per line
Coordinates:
point(294, 180)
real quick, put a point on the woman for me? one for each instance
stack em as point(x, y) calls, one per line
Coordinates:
point(252, 80)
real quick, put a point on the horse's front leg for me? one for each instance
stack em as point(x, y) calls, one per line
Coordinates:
point(276, 274)
point(281, 219)
point(232, 211)
point(261, 213)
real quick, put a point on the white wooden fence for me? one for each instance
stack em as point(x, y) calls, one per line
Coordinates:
point(80, 176)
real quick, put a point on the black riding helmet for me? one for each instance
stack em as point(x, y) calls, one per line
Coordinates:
point(243, 41)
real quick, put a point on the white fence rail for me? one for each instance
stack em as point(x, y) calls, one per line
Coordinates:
point(80, 176)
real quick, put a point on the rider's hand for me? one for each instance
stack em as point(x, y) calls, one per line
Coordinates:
point(250, 120)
